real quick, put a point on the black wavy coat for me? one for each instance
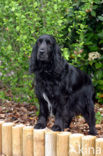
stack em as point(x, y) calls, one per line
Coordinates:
point(62, 90)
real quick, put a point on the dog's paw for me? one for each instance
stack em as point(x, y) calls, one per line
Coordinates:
point(66, 125)
point(39, 126)
point(56, 128)
point(94, 132)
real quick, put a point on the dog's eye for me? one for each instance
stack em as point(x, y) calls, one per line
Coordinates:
point(48, 42)
point(40, 41)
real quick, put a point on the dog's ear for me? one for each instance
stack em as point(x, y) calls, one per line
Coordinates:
point(57, 51)
point(58, 60)
point(33, 60)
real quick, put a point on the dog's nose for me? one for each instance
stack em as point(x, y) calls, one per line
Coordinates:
point(42, 51)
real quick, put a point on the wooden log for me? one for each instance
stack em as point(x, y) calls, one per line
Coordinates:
point(88, 145)
point(75, 142)
point(47, 130)
point(51, 143)
point(39, 142)
point(28, 141)
point(99, 147)
point(63, 143)
point(1, 122)
point(7, 139)
point(17, 139)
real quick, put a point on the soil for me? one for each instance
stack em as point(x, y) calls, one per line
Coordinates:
point(26, 114)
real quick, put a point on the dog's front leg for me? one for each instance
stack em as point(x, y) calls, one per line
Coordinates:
point(43, 115)
point(59, 124)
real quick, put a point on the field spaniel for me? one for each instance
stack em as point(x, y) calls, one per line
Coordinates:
point(62, 90)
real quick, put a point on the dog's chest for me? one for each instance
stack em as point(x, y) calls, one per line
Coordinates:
point(50, 106)
point(49, 96)
point(49, 88)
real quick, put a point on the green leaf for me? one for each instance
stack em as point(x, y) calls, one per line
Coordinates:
point(98, 65)
point(100, 18)
point(100, 82)
point(93, 13)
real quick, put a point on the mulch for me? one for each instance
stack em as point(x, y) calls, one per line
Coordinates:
point(26, 114)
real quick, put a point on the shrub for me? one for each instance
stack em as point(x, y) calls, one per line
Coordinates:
point(77, 26)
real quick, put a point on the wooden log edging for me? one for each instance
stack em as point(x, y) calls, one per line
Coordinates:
point(50, 143)
point(63, 140)
point(7, 138)
point(20, 140)
point(75, 144)
point(28, 141)
point(39, 142)
point(17, 140)
point(1, 122)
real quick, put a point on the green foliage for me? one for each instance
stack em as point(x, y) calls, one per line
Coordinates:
point(99, 118)
point(77, 26)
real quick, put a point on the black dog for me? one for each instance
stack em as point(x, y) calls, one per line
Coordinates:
point(62, 89)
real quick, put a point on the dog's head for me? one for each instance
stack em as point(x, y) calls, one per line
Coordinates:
point(44, 51)
point(45, 46)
